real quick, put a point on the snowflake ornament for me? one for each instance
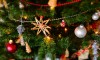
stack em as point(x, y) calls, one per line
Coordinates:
point(41, 25)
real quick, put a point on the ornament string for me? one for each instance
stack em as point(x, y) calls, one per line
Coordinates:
point(20, 30)
point(46, 5)
point(56, 19)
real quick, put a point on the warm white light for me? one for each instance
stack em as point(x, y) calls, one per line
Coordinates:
point(65, 29)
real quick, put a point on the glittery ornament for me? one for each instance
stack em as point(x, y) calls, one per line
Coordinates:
point(62, 24)
point(47, 39)
point(28, 49)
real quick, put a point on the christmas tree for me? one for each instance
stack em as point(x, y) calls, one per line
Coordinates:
point(49, 29)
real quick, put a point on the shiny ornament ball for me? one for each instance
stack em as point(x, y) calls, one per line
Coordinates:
point(63, 23)
point(11, 47)
point(95, 16)
point(80, 31)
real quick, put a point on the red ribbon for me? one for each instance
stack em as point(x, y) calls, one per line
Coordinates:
point(46, 5)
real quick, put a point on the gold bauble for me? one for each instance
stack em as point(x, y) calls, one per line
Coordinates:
point(47, 39)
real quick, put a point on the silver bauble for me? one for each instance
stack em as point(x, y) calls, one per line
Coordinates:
point(80, 31)
point(95, 16)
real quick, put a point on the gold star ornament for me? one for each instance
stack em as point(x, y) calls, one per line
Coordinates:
point(41, 25)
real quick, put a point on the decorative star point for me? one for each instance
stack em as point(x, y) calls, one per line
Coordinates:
point(41, 25)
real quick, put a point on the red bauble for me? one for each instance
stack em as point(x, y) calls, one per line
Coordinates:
point(11, 47)
point(63, 23)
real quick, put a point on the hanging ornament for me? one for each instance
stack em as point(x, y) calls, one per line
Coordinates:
point(28, 49)
point(63, 24)
point(67, 53)
point(11, 47)
point(52, 4)
point(95, 16)
point(20, 30)
point(83, 54)
point(20, 40)
point(80, 31)
point(21, 6)
point(3, 3)
point(95, 48)
point(47, 40)
point(41, 26)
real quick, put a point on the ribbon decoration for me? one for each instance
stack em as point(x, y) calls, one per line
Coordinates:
point(46, 5)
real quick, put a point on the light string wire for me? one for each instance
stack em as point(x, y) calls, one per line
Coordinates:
point(56, 19)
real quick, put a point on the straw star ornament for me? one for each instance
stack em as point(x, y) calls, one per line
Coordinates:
point(41, 25)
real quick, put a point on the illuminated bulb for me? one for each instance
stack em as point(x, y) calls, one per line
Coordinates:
point(21, 6)
point(96, 32)
point(65, 29)
point(25, 17)
point(92, 3)
point(59, 35)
